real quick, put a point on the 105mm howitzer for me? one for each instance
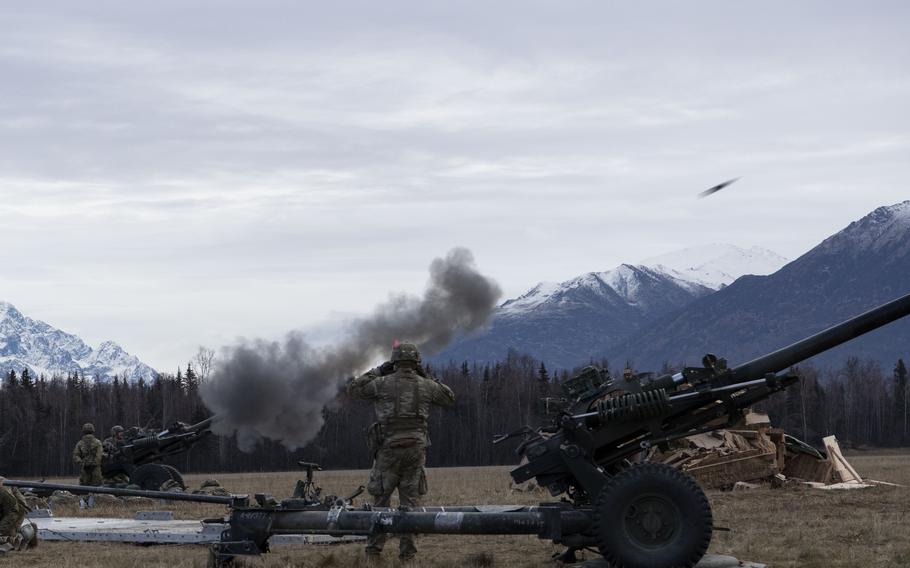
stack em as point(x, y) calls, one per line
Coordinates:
point(138, 458)
point(637, 514)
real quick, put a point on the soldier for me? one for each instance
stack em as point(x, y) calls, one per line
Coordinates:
point(113, 442)
point(399, 438)
point(111, 446)
point(13, 509)
point(88, 454)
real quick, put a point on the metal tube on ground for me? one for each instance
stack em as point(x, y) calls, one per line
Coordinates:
point(413, 522)
point(89, 489)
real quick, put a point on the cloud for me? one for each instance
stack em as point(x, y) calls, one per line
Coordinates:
point(187, 161)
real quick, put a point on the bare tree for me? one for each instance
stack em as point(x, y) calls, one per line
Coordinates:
point(204, 360)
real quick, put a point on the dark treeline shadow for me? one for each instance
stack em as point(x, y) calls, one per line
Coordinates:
point(41, 418)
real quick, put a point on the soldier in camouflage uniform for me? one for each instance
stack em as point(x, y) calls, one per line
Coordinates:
point(13, 509)
point(88, 455)
point(399, 438)
point(111, 447)
point(113, 442)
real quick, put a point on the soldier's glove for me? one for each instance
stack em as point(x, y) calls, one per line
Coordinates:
point(386, 368)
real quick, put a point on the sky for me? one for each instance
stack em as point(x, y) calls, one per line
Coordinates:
point(176, 174)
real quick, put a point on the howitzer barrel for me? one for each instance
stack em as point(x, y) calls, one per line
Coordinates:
point(181, 428)
point(531, 521)
point(205, 424)
point(824, 340)
point(87, 489)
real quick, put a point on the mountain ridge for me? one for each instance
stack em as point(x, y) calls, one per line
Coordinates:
point(43, 349)
point(858, 268)
point(571, 322)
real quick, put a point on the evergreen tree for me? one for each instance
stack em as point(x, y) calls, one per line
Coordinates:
point(191, 380)
point(543, 374)
point(26, 379)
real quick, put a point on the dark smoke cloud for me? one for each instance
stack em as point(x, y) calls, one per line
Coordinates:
point(277, 390)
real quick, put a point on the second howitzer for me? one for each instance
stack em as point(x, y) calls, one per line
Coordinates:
point(637, 515)
point(139, 457)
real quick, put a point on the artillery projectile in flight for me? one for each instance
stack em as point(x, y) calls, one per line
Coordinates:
point(716, 188)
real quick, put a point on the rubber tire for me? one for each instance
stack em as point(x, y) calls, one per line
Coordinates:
point(176, 476)
point(684, 548)
point(150, 476)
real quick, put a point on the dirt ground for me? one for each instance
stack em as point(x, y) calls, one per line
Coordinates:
point(781, 527)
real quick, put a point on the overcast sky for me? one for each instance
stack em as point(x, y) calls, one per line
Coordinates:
point(178, 173)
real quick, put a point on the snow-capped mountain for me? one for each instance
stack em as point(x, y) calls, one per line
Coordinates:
point(570, 322)
point(716, 265)
point(697, 270)
point(864, 265)
point(43, 349)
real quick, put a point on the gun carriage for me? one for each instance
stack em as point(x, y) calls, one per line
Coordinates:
point(636, 514)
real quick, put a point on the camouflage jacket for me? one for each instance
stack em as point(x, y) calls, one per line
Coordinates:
point(401, 401)
point(13, 508)
point(111, 447)
point(88, 451)
point(12, 499)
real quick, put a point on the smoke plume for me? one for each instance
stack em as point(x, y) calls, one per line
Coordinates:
point(277, 390)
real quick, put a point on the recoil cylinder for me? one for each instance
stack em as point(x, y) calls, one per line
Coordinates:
point(633, 406)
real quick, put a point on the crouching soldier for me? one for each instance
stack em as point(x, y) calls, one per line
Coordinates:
point(13, 534)
point(399, 438)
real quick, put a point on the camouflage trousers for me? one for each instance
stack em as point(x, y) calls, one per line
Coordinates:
point(90, 475)
point(11, 514)
point(402, 469)
point(116, 480)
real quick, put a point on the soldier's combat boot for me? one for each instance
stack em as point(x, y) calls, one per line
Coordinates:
point(5, 546)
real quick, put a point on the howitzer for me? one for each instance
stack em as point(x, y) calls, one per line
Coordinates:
point(637, 515)
point(139, 456)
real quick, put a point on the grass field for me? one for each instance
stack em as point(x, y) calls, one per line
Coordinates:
point(781, 527)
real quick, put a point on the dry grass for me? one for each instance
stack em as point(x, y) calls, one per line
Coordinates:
point(784, 528)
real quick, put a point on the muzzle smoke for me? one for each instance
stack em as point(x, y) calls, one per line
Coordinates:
point(277, 390)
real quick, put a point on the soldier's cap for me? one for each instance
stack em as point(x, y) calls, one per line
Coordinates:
point(210, 483)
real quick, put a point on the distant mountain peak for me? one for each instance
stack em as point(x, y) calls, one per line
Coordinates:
point(695, 269)
point(879, 229)
point(897, 211)
point(44, 349)
point(8, 310)
point(716, 265)
point(853, 270)
point(567, 323)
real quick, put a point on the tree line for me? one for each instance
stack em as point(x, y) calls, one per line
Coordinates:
point(41, 417)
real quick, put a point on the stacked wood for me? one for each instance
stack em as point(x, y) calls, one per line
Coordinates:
point(754, 452)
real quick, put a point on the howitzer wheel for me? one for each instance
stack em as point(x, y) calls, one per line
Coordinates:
point(652, 516)
point(176, 475)
point(151, 476)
